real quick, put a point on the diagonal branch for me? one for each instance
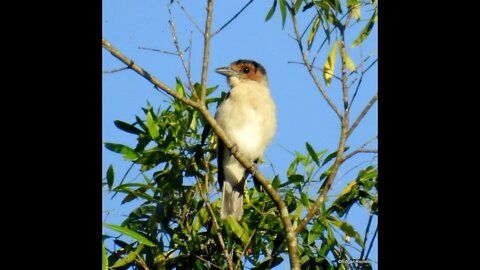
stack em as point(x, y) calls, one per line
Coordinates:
point(206, 51)
point(146, 75)
point(362, 114)
point(233, 18)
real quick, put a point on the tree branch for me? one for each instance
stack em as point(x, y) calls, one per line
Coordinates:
point(341, 145)
point(310, 69)
point(233, 18)
point(156, 50)
point(206, 51)
point(146, 75)
point(362, 114)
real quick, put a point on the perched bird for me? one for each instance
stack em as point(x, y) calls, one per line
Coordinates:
point(247, 115)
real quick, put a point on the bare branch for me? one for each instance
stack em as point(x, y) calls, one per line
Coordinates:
point(206, 51)
point(359, 150)
point(180, 54)
point(190, 17)
point(146, 75)
point(156, 50)
point(321, 69)
point(310, 69)
point(114, 70)
point(362, 114)
point(233, 18)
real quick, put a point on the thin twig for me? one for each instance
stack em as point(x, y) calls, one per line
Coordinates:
point(246, 247)
point(371, 243)
point(190, 17)
point(156, 50)
point(361, 149)
point(366, 233)
point(114, 70)
point(233, 18)
point(216, 226)
point(362, 114)
point(321, 69)
point(361, 78)
point(207, 262)
point(180, 54)
point(310, 69)
point(206, 51)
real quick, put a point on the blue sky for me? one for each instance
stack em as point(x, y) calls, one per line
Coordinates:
point(303, 115)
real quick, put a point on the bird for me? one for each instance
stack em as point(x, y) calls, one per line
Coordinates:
point(248, 117)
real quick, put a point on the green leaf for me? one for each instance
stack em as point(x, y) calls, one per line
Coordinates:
point(292, 169)
point(129, 258)
point(315, 232)
point(211, 90)
point(110, 177)
point(140, 123)
point(304, 199)
point(152, 126)
point(346, 228)
point(179, 87)
point(272, 10)
point(283, 10)
point(329, 68)
point(313, 31)
point(128, 153)
point(333, 155)
point(237, 229)
point(127, 127)
point(140, 238)
point(104, 257)
point(365, 31)
point(276, 182)
point(200, 219)
point(312, 153)
point(324, 6)
point(298, 4)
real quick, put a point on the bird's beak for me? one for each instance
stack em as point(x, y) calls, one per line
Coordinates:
point(227, 71)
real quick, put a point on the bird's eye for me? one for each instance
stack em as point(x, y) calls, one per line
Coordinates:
point(246, 70)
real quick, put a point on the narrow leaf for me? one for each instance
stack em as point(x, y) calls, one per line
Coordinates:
point(129, 258)
point(365, 31)
point(179, 87)
point(272, 10)
point(110, 177)
point(152, 126)
point(313, 31)
point(298, 4)
point(283, 10)
point(104, 257)
point(237, 229)
point(130, 233)
point(312, 153)
point(347, 229)
point(304, 199)
point(329, 68)
point(128, 153)
point(127, 127)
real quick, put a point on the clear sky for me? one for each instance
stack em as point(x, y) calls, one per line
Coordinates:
point(302, 113)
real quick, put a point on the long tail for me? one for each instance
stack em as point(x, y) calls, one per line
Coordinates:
point(232, 201)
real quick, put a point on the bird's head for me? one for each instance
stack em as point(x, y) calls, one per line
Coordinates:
point(244, 70)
